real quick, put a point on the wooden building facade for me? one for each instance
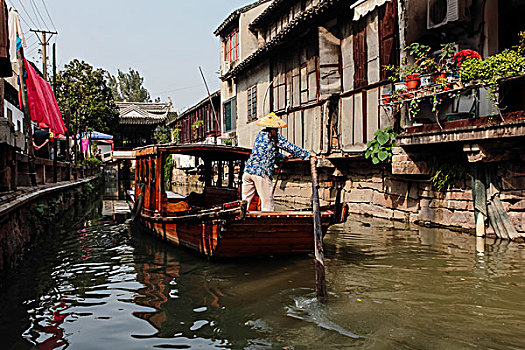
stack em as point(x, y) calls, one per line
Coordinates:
point(198, 124)
point(319, 64)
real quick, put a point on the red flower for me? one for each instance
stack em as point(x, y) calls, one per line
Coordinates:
point(462, 55)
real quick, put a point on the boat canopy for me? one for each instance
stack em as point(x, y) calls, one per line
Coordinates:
point(210, 152)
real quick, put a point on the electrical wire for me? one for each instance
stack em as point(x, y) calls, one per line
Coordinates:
point(27, 13)
point(45, 7)
point(39, 14)
point(182, 88)
point(36, 16)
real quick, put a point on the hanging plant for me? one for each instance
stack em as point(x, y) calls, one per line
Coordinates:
point(195, 126)
point(436, 101)
point(176, 134)
point(413, 108)
point(379, 149)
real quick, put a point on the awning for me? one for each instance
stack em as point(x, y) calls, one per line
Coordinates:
point(364, 7)
point(96, 135)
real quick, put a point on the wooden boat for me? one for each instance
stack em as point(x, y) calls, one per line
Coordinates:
point(216, 222)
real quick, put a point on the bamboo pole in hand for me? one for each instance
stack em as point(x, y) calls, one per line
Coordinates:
point(320, 279)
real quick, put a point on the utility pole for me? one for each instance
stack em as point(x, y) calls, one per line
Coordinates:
point(55, 140)
point(44, 41)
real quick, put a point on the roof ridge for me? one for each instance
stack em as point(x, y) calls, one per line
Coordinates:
point(235, 14)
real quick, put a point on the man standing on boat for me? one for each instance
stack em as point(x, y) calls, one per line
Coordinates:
point(258, 171)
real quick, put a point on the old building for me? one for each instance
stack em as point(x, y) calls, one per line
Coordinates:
point(320, 65)
point(138, 121)
point(238, 42)
point(199, 123)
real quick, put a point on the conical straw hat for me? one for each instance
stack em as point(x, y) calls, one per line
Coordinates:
point(271, 121)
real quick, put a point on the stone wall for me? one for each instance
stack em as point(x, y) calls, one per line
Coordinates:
point(23, 227)
point(375, 191)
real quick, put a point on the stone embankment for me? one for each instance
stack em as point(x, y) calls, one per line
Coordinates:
point(33, 213)
point(375, 191)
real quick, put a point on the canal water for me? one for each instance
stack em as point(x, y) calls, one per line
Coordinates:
point(106, 285)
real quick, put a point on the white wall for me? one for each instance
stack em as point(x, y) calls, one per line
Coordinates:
point(247, 39)
point(17, 115)
point(260, 75)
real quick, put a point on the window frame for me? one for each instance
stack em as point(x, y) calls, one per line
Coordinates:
point(231, 46)
point(251, 102)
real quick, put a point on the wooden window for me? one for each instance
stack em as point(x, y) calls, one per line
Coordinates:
point(252, 103)
point(360, 55)
point(230, 114)
point(387, 36)
point(231, 46)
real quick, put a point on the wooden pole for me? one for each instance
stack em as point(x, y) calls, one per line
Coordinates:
point(27, 119)
point(320, 279)
point(44, 55)
point(55, 142)
point(217, 127)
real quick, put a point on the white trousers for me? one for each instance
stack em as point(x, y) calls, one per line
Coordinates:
point(263, 185)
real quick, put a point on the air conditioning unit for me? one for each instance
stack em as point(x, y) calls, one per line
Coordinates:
point(441, 12)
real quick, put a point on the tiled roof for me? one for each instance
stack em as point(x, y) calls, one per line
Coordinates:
point(143, 113)
point(236, 14)
point(269, 10)
point(294, 26)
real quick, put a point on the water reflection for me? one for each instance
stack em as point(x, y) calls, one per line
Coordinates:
point(391, 285)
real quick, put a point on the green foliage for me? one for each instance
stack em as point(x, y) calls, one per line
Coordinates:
point(380, 148)
point(90, 162)
point(128, 87)
point(41, 208)
point(90, 99)
point(168, 169)
point(505, 64)
point(445, 173)
point(176, 134)
point(423, 59)
point(162, 134)
point(88, 188)
point(227, 142)
point(195, 126)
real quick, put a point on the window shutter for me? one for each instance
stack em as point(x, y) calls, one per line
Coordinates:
point(387, 33)
point(360, 56)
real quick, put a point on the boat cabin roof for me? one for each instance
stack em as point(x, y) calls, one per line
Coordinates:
point(212, 152)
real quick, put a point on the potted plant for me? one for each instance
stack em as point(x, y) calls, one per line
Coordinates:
point(395, 75)
point(445, 65)
point(424, 63)
point(412, 81)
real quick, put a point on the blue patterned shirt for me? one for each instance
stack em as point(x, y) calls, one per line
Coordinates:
point(264, 153)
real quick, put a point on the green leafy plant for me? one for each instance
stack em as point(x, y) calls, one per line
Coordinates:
point(424, 62)
point(508, 63)
point(195, 126)
point(89, 162)
point(379, 149)
point(413, 108)
point(176, 134)
point(168, 169)
point(445, 173)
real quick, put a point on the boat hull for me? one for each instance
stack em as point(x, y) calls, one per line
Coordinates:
point(237, 236)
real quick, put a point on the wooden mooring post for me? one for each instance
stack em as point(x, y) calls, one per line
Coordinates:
point(320, 279)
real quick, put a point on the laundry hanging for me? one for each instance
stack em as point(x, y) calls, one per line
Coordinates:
point(5, 62)
point(43, 106)
point(16, 35)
